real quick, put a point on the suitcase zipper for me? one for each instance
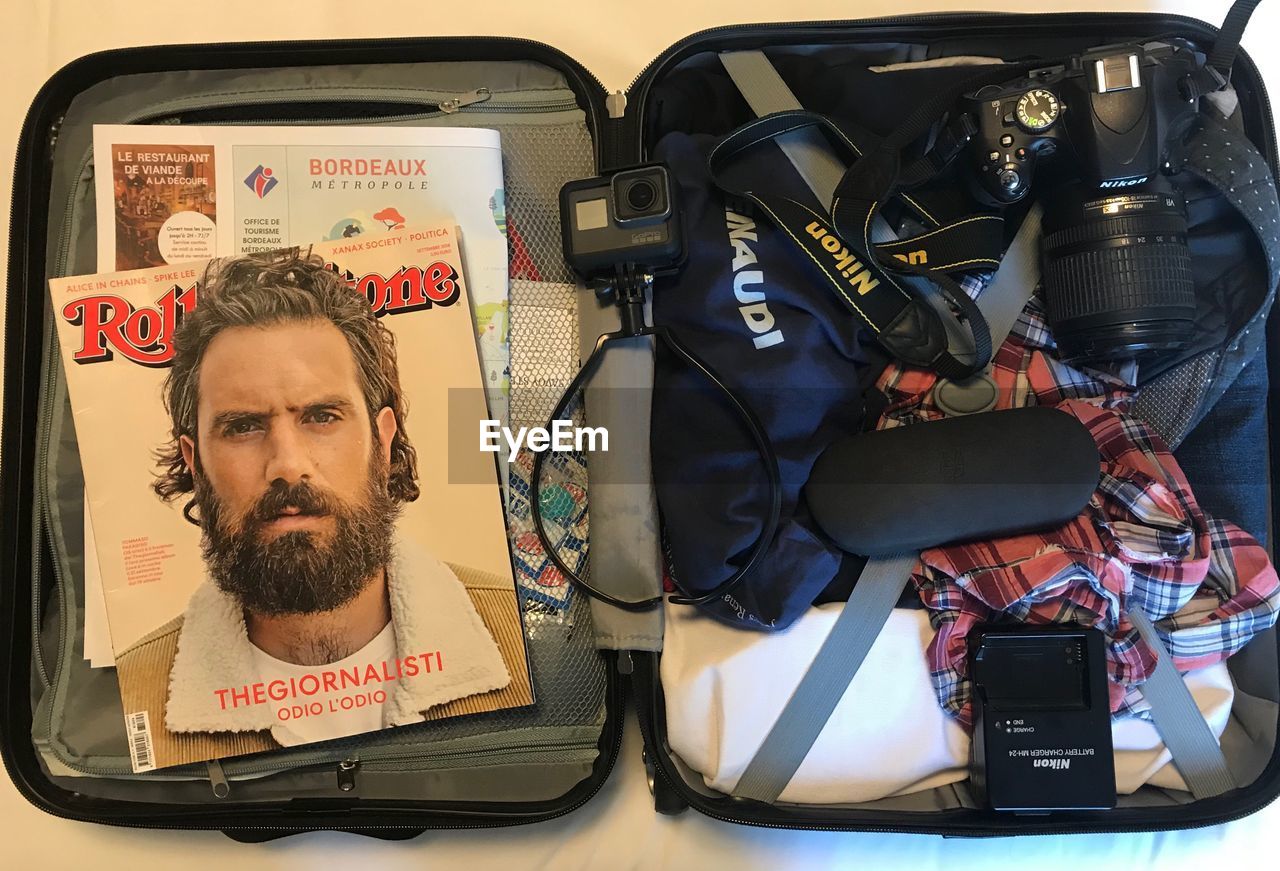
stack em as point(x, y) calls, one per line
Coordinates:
point(494, 817)
point(347, 774)
point(479, 95)
point(406, 760)
point(218, 779)
point(349, 762)
point(656, 756)
point(676, 51)
point(42, 507)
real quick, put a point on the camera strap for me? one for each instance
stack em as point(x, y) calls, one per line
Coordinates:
point(886, 286)
point(821, 170)
point(1216, 72)
point(856, 270)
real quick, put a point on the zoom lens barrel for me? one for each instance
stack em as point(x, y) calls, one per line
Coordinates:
point(1117, 271)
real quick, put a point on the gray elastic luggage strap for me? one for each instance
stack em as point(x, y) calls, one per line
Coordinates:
point(766, 93)
point(1191, 743)
point(1006, 295)
point(626, 552)
point(806, 713)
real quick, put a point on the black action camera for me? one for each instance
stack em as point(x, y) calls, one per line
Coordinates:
point(1101, 129)
point(628, 219)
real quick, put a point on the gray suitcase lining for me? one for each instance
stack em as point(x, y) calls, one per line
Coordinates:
point(524, 755)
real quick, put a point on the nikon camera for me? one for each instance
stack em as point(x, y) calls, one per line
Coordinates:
point(1095, 137)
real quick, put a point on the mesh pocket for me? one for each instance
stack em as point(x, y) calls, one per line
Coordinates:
point(568, 672)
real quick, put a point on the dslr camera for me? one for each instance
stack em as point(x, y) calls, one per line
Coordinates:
point(1098, 133)
point(627, 219)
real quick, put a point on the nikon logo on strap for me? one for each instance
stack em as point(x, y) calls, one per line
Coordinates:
point(847, 264)
point(903, 322)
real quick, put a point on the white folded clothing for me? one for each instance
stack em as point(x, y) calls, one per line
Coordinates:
point(725, 687)
point(888, 736)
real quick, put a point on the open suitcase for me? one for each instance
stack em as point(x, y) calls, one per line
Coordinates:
point(64, 742)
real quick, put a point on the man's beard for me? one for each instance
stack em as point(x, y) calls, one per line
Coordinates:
point(296, 572)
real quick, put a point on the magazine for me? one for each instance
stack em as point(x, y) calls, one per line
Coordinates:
point(170, 194)
point(97, 634)
point(287, 554)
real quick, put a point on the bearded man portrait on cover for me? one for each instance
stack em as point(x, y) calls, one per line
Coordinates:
point(290, 448)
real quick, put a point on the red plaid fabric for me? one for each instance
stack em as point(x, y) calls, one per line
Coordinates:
point(1142, 542)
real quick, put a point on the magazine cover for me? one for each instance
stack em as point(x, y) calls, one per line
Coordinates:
point(284, 558)
point(174, 194)
point(171, 194)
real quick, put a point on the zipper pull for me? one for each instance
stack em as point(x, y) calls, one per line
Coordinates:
point(479, 95)
point(616, 104)
point(347, 774)
point(54, 129)
point(218, 779)
point(625, 665)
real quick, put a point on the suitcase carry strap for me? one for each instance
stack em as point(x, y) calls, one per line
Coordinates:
point(806, 713)
point(1191, 743)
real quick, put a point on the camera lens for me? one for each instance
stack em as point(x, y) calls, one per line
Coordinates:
point(1117, 272)
point(641, 194)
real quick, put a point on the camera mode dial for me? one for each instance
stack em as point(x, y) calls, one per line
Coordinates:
point(1037, 110)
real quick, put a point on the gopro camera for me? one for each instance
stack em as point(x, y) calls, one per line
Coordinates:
point(1041, 720)
point(628, 218)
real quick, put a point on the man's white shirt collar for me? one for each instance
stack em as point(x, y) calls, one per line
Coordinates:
point(430, 610)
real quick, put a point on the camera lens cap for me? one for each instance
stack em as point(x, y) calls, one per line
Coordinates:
point(973, 395)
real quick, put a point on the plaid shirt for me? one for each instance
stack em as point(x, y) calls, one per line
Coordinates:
point(1142, 541)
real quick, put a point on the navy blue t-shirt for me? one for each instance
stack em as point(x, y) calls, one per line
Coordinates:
point(748, 304)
